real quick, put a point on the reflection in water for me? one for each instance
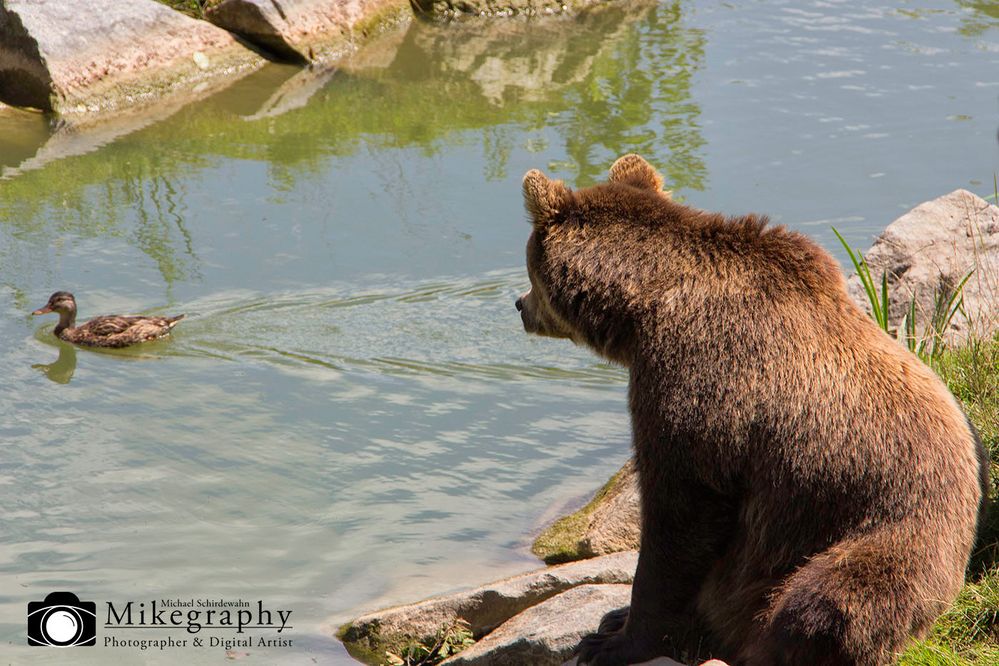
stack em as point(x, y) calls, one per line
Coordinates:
point(21, 134)
point(61, 370)
point(162, 231)
point(613, 80)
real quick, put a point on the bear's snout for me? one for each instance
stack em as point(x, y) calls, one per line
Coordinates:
point(527, 314)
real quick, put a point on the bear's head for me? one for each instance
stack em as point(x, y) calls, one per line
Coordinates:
point(585, 253)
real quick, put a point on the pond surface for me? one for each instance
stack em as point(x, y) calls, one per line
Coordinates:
point(351, 415)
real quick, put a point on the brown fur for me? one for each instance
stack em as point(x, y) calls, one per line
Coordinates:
point(810, 489)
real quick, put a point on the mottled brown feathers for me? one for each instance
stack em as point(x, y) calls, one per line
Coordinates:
point(117, 331)
point(810, 490)
point(113, 331)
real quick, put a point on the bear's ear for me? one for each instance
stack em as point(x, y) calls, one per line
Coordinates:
point(544, 198)
point(635, 171)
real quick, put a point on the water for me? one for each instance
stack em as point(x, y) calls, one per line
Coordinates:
point(351, 416)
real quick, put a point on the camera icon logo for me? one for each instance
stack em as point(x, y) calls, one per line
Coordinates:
point(62, 620)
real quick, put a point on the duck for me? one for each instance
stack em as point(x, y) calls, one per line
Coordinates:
point(113, 331)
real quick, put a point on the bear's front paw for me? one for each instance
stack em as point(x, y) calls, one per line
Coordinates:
point(602, 649)
point(616, 649)
point(614, 621)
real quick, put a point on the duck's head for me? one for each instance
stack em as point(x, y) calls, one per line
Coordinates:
point(61, 302)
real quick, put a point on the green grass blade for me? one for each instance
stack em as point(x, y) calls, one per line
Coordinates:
point(884, 300)
point(864, 273)
point(910, 326)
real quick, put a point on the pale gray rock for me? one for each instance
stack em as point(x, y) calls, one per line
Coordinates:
point(546, 634)
point(486, 607)
point(83, 56)
point(302, 30)
point(934, 244)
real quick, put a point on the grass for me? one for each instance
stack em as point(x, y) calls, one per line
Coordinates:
point(995, 189)
point(368, 646)
point(947, 302)
point(877, 299)
point(448, 642)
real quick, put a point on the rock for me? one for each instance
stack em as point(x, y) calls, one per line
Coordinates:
point(483, 608)
point(609, 523)
point(546, 634)
point(444, 9)
point(301, 30)
point(82, 56)
point(934, 244)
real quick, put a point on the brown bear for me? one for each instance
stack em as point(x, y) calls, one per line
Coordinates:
point(810, 490)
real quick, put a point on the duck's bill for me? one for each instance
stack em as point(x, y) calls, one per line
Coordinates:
point(44, 310)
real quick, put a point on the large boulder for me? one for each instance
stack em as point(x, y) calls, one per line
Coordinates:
point(81, 56)
point(483, 608)
point(609, 523)
point(546, 634)
point(302, 30)
point(929, 250)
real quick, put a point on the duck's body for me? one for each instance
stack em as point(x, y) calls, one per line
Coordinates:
point(107, 331)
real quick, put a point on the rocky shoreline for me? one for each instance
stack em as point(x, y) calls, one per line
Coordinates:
point(81, 60)
point(119, 56)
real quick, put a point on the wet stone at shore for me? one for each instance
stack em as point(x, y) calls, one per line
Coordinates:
point(301, 30)
point(484, 608)
point(72, 56)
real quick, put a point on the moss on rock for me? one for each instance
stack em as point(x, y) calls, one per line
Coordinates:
point(563, 541)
